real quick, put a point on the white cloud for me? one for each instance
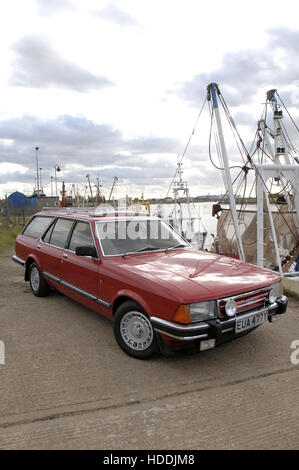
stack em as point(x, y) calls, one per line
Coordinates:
point(60, 58)
point(47, 8)
point(116, 15)
point(245, 71)
point(37, 65)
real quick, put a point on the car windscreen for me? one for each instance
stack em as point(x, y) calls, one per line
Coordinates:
point(119, 237)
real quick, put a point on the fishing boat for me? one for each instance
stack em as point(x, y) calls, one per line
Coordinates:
point(261, 226)
point(184, 216)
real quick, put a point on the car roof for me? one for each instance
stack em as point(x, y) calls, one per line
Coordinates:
point(93, 214)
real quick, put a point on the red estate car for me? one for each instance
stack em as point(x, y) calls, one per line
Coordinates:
point(138, 271)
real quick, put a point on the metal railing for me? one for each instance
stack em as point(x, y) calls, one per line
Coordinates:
point(94, 212)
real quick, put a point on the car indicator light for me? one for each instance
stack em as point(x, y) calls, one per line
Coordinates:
point(182, 315)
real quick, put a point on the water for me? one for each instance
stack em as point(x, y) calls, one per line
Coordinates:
point(198, 209)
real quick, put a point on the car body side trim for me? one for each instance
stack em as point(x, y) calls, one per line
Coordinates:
point(78, 290)
point(54, 278)
point(104, 303)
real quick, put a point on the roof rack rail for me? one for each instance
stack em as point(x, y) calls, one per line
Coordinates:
point(69, 210)
point(96, 211)
point(119, 213)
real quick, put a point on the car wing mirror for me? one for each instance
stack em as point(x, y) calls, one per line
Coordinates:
point(86, 251)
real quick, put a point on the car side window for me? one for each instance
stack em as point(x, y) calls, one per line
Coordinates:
point(37, 226)
point(47, 236)
point(81, 236)
point(58, 236)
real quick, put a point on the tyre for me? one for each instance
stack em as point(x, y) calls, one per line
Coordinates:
point(38, 285)
point(134, 332)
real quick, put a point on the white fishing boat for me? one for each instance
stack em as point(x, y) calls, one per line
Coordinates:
point(267, 233)
point(185, 217)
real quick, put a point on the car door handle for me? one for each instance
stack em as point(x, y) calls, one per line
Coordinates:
point(65, 255)
point(38, 246)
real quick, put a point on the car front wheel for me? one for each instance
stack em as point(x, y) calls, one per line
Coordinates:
point(134, 332)
point(38, 285)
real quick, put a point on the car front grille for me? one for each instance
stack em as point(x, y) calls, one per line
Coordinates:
point(245, 302)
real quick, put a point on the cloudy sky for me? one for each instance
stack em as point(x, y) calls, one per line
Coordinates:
point(113, 88)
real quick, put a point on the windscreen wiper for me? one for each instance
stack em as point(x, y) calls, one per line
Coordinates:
point(145, 248)
point(179, 245)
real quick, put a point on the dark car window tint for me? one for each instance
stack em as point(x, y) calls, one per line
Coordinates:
point(81, 236)
point(60, 232)
point(37, 226)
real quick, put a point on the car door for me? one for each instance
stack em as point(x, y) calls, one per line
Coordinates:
point(80, 273)
point(52, 245)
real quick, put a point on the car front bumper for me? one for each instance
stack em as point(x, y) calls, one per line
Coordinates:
point(217, 329)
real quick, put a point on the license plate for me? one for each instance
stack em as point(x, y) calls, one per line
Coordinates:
point(243, 324)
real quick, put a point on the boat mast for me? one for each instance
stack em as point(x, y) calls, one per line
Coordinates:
point(180, 186)
point(278, 171)
point(262, 126)
point(279, 140)
point(213, 91)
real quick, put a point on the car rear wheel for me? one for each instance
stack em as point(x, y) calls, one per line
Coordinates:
point(38, 285)
point(134, 332)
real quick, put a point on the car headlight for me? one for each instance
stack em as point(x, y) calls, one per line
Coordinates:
point(191, 313)
point(201, 311)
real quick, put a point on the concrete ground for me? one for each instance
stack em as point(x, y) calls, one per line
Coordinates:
point(66, 384)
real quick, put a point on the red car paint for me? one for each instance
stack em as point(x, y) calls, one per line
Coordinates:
point(158, 281)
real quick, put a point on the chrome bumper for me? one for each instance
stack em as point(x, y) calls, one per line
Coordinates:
point(18, 260)
point(181, 332)
point(213, 328)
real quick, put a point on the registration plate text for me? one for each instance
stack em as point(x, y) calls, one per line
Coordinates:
point(251, 321)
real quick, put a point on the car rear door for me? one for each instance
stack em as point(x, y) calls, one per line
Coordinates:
point(80, 273)
point(52, 245)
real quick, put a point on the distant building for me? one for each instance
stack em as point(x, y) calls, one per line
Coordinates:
point(20, 204)
point(18, 199)
point(43, 201)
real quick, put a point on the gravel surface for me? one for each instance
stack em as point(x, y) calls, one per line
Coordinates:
point(66, 384)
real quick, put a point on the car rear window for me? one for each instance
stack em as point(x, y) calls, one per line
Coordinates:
point(37, 226)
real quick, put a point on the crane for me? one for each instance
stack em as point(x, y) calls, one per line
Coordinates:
point(90, 188)
point(115, 178)
point(98, 185)
point(85, 193)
